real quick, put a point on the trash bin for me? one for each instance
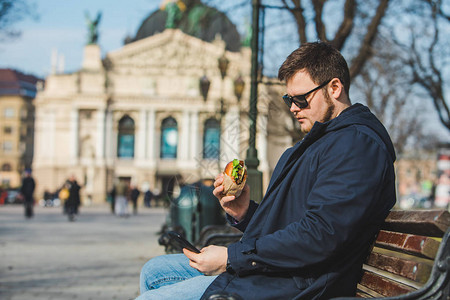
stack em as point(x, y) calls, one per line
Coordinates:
point(195, 208)
point(210, 211)
point(183, 210)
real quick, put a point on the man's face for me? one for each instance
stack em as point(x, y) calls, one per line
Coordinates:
point(320, 108)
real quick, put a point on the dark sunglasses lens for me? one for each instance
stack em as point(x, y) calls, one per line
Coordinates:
point(287, 100)
point(301, 103)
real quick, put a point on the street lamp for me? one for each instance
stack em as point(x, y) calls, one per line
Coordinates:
point(223, 63)
point(254, 178)
point(204, 87)
point(239, 85)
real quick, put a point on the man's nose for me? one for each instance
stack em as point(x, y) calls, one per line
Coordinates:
point(294, 107)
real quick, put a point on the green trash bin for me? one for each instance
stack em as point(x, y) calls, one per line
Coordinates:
point(210, 211)
point(195, 208)
point(183, 210)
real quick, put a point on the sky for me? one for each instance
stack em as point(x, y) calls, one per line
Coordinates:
point(62, 28)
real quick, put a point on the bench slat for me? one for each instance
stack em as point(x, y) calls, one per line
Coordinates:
point(393, 277)
point(364, 292)
point(422, 222)
point(383, 286)
point(408, 243)
point(362, 295)
point(414, 270)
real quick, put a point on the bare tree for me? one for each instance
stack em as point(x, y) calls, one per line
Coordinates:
point(11, 12)
point(384, 85)
point(427, 48)
point(353, 26)
point(351, 10)
point(427, 53)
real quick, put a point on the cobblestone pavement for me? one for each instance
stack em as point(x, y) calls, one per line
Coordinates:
point(99, 256)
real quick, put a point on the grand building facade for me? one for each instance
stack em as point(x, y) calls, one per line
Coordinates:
point(157, 112)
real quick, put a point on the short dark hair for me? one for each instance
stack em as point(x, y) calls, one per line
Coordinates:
point(322, 62)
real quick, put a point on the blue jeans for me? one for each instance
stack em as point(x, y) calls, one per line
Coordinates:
point(171, 277)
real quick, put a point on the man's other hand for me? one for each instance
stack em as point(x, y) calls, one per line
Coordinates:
point(235, 207)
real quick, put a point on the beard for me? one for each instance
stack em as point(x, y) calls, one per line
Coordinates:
point(326, 116)
point(330, 110)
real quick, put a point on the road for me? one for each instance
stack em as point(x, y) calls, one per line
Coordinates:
point(98, 256)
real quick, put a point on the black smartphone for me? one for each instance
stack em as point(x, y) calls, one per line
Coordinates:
point(181, 241)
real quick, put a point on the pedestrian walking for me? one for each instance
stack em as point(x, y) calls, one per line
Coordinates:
point(134, 195)
point(148, 196)
point(112, 199)
point(73, 200)
point(121, 200)
point(26, 191)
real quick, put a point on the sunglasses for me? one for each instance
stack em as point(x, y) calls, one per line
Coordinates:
point(300, 100)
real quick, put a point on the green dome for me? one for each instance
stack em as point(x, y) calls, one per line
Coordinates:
point(197, 20)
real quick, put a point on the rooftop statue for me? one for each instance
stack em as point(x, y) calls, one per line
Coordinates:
point(174, 9)
point(92, 28)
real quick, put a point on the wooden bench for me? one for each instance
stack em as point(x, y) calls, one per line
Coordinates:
point(410, 258)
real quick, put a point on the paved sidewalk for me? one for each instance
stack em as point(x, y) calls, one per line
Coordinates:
point(99, 256)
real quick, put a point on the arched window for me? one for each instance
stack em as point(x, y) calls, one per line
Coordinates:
point(6, 167)
point(211, 139)
point(125, 144)
point(169, 138)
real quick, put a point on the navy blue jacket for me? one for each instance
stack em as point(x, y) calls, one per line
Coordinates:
point(326, 200)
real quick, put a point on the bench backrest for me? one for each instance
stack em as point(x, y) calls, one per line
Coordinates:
point(403, 255)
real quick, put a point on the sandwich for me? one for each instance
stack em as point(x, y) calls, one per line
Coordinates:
point(235, 176)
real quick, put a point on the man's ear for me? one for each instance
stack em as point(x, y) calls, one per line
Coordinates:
point(337, 88)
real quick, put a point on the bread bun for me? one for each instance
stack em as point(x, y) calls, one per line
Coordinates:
point(235, 176)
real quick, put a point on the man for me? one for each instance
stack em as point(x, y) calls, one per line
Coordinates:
point(148, 196)
point(134, 195)
point(27, 190)
point(73, 201)
point(326, 200)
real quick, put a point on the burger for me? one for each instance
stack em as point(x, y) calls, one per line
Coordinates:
point(235, 176)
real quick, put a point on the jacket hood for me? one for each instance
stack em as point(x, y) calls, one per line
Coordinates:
point(358, 114)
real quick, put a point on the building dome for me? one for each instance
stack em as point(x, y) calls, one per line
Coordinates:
point(195, 19)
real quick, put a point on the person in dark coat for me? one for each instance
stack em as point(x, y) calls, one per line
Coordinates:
point(73, 202)
point(134, 194)
point(326, 200)
point(112, 196)
point(148, 196)
point(27, 190)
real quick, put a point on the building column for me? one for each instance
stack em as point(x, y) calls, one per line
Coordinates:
point(261, 139)
point(114, 136)
point(261, 145)
point(194, 137)
point(141, 135)
point(151, 115)
point(100, 142)
point(183, 146)
point(74, 136)
point(108, 134)
point(47, 136)
point(230, 136)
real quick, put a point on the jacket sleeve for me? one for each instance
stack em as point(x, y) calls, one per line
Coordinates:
point(242, 225)
point(346, 196)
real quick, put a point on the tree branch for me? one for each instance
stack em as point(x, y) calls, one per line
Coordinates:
point(365, 49)
point(346, 26)
point(297, 13)
point(320, 26)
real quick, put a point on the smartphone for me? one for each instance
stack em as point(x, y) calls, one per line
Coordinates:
point(182, 242)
